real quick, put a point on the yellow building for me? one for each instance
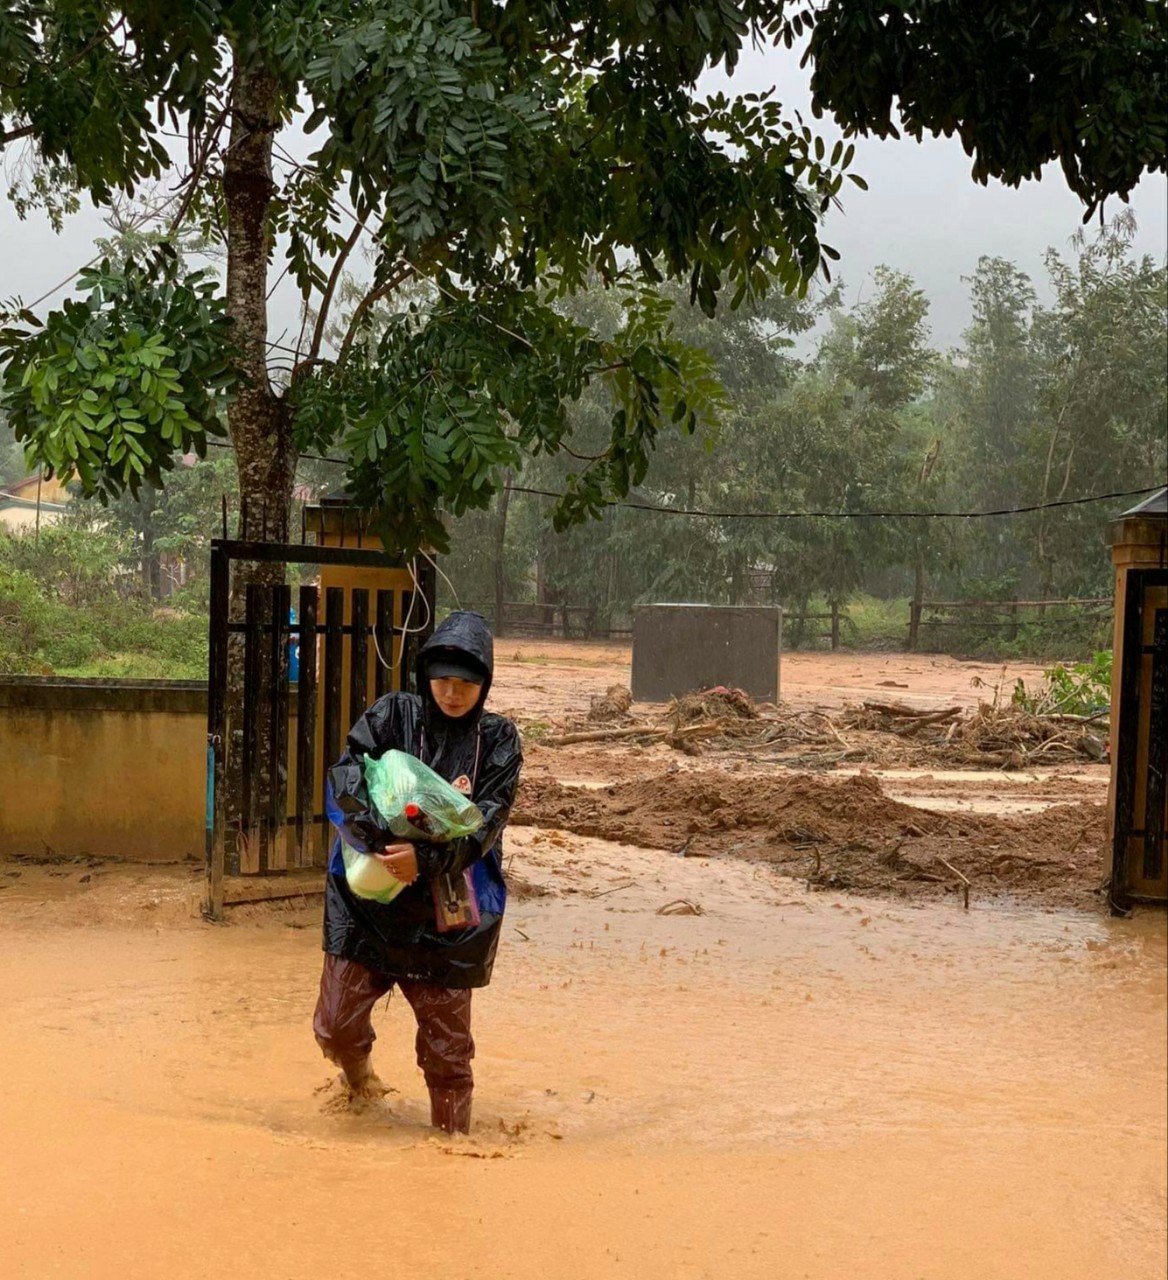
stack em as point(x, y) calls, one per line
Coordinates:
point(36, 500)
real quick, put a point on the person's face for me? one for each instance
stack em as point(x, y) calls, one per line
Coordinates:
point(455, 697)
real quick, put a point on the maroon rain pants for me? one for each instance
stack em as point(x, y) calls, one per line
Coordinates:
point(344, 1030)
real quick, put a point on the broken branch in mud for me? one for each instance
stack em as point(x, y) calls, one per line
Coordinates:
point(616, 888)
point(898, 710)
point(605, 735)
point(681, 907)
point(648, 731)
point(964, 881)
point(835, 733)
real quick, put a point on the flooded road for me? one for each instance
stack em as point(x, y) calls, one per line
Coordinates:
point(784, 1085)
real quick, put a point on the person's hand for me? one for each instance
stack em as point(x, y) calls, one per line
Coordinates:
point(400, 860)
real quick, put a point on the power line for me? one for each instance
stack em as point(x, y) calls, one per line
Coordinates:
point(801, 515)
point(849, 515)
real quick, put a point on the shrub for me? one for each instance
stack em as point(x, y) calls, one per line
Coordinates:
point(1083, 689)
point(68, 603)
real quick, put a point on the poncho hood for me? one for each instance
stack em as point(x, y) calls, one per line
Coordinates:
point(464, 635)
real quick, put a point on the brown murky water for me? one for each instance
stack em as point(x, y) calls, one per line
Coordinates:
point(786, 1085)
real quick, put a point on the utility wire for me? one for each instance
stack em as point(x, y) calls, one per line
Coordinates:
point(799, 515)
point(851, 515)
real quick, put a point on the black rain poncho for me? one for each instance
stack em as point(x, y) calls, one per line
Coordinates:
point(400, 938)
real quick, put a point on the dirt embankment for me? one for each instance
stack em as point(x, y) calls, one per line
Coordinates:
point(837, 833)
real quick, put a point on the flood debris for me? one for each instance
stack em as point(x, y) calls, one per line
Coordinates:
point(718, 704)
point(890, 734)
point(681, 907)
point(613, 704)
point(991, 734)
point(856, 836)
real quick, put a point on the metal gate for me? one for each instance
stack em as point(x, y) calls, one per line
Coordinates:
point(286, 680)
point(1140, 830)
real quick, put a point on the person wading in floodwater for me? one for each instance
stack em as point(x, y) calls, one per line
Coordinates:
point(420, 942)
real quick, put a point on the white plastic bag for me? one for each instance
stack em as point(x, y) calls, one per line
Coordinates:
point(369, 878)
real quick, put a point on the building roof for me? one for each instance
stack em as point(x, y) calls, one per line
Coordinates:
point(1156, 505)
point(9, 500)
point(52, 488)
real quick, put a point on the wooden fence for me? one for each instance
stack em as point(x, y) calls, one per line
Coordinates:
point(999, 615)
point(569, 621)
point(583, 622)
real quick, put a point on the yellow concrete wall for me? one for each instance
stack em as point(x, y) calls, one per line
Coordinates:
point(113, 783)
point(23, 519)
point(50, 488)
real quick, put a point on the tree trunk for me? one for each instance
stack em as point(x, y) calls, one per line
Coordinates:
point(541, 591)
point(260, 421)
point(500, 553)
point(914, 613)
point(151, 567)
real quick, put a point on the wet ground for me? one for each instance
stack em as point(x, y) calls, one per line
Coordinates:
point(786, 1084)
point(689, 1069)
point(1034, 834)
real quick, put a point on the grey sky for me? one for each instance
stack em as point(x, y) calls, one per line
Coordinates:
point(922, 214)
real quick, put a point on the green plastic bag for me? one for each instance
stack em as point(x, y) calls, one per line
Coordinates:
point(416, 804)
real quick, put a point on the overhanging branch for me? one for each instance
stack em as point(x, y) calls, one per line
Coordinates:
point(330, 289)
point(373, 296)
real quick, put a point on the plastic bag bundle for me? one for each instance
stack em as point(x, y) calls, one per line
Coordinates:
point(415, 803)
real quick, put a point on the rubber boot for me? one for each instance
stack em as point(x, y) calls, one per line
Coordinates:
point(450, 1109)
point(357, 1071)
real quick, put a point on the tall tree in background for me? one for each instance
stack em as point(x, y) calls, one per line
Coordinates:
point(993, 395)
point(1104, 413)
point(1048, 403)
point(505, 153)
point(836, 442)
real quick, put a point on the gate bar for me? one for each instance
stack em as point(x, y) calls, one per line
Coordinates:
point(277, 816)
point(384, 633)
point(219, 609)
point(306, 727)
point(359, 654)
point(333, 659)
point(1157, 749)
point(251, 848)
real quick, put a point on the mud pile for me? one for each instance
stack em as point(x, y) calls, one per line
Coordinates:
point(613, 705)
point(843, 834)
point(717, 704)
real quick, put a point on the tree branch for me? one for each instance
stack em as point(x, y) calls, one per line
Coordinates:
point(11, 135)
point(330, 288)
point(374, 295)
point(196, 173)
point(586, 457)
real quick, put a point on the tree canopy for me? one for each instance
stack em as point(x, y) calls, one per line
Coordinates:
point(498, 158)
point(1039, 403)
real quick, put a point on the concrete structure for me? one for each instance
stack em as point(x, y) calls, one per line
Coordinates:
point(32, 501)
point(1138, 800)
point(680, 648)
point(111, 768)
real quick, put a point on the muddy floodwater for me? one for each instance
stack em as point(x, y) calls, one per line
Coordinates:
point(787, 1084)
point(689, 1067)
